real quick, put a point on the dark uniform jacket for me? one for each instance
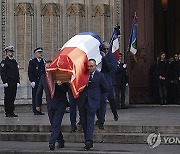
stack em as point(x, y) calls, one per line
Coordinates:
point(174, 71)
point(9, 71)
point(109, 68)
point(162, 69)
point(121, 75)
point(36, 69)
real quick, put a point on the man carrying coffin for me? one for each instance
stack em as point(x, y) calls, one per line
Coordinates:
point(56, 107)
point(89, 101)
point(108, 68)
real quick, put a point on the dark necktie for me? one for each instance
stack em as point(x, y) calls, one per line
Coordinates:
point(90, 77)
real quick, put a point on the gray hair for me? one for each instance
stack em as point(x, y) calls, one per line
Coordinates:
point(105, 45)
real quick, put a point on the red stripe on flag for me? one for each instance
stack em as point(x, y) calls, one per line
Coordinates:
point(72, 61)
point(116, 54)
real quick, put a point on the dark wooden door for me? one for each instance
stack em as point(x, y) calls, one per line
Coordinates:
point(139, 71)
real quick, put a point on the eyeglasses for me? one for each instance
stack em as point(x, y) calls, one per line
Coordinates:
point(91, 66)
point(105, 48)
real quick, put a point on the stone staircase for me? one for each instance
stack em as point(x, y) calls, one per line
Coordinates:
point(119, 134)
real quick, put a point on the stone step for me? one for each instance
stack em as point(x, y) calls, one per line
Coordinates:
point(107, 129)
point(16, 151)
point(74, 137)
point(8, 147)
point(120, 138)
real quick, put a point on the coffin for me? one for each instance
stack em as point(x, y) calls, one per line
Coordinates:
point(70, 64)
point(63, 77)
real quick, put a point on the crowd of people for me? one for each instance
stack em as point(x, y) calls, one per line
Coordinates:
point(91, 102)
point(105, 85)
point(165, 79)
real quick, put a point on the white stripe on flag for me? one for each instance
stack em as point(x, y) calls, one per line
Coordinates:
point(133, 50)
point(86, 43)
point(115, 45)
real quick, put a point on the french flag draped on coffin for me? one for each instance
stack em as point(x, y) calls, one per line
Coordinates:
point(70, 64)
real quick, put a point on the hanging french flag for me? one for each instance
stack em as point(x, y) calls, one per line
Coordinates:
point(114, 42)
point(72, 61)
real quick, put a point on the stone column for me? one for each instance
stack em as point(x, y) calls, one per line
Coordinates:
point(50, 16)
point(3, 27)
point(76, 19)
point(101, 21)
point(24, 26)
point(37, 25)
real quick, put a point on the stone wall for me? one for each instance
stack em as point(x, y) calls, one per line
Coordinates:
point(28, 24)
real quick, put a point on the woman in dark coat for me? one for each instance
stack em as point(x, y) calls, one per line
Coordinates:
point(162, 68)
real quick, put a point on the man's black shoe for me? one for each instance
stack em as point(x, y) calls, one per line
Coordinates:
point(97, 122)
point(14, 115)
point(39, 113)
point(116, 117)
point(60, 145)
point(51, 147)
point(79, 123)
point(88, 146)
point(73, 129)
point(124, 107)
point(11, 115)
point(101, 126)
point(118, 107)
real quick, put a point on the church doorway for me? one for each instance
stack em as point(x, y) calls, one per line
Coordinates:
point(166, 33)
point(166, 27)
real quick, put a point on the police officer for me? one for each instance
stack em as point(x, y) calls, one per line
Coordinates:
point(121, 78)
point(35, 70)
point(11, 80)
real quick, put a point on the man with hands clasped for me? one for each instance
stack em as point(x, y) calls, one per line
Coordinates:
point(11, 80)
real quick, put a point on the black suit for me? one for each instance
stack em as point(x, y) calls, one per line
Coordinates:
point(89, 102)
point(121, 78)
point(55, 106)
point(9, 75)
point(35, 70)
point(174, 76)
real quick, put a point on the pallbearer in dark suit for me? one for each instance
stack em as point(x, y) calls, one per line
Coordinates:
point(121, 78)
point(108, 69)
point(36, 68)
point(56, 108)
point(89, 101)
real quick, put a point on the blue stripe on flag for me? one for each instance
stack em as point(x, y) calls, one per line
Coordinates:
point(133, 37)
point(93, 35)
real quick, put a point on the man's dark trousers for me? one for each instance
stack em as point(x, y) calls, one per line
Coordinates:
point(55, 117)
point(9, 97)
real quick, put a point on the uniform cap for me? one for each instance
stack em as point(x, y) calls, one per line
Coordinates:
point(9, 48)
point(39, 49)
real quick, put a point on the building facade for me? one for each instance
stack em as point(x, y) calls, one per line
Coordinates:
point(27, 24)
